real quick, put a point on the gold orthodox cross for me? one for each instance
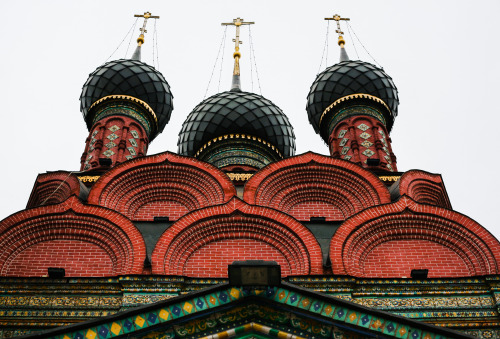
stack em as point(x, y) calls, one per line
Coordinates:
point(146, 16)
point(237, 22)
point(337, 18)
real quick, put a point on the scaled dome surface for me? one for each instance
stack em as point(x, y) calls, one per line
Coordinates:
point(128, 77)
point(236, 112)
point(350, 77)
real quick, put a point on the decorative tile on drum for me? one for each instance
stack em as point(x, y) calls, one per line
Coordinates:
point(365, 135)
point(112, 136)
point(363, 127)
point(368, 152)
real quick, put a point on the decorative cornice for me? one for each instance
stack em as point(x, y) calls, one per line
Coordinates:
point(239, 176)
point(351, 97)
point(89, 178)
point(390, 177)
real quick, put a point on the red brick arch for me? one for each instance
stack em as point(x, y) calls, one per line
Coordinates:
point(424, 188)
point(391, 240)
point(85, 240)
point(165, 184)
point(216, 236)
point(53, 188)
point(311, 185)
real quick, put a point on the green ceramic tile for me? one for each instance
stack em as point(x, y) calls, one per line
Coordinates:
point(103, 331)
point(305, 303)
point(270, 292)
point(427, 335)
point(200, 304)
point(364, 320)
point(188, 307)
point(390, 328)
point(402, 331)
point(176, 311)
point(328, 310)
point(340, 313)
point(316, 306)
point(377, 324)
point(128, 325)
point(352, 317)
point(414, 333)
point(140, 321)
point(212, 300)
point(293, 299)
point(235, 293)
point(91, 333)
point(164, 315)
point(281, 295)
point(152, 318)
point(115, 328)
point(223, 297)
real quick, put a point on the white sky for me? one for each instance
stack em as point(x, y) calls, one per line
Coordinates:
point(443, 56)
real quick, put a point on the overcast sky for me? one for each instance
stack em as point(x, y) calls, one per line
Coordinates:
point(443, 56)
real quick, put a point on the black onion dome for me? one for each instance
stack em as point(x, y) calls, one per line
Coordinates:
point(350, 77)
point(236, 112)
point(128, 77)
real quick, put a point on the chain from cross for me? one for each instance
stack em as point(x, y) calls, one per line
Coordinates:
point(337, 18)
point(237, 22)
point(146, 16)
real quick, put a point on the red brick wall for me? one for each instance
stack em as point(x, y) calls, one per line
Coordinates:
point(397, 258)
point(172, 209)
point(78, 258)
point(212, 259)
point(304, 211)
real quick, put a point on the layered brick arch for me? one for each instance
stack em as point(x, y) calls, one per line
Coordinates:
point(315, 185)
point(166, 185)
point(389, 241)
point(423, 187)
point(54, 187)
point(87, 241)
point(204, 242)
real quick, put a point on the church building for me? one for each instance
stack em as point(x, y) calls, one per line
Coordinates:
point(235, 235)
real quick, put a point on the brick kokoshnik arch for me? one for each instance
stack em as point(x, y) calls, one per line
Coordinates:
point(423, 187)
point(53, 188)
point(165, 184)
point(311, 179)
point(389, 241)
point(87, 241)
point(218, 235)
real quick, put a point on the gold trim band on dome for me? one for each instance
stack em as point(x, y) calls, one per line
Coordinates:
point(239, 136)
point(350, 97)
point(126, 97)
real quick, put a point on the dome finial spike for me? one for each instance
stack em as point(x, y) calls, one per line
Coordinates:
point(237, 55)
point(343, 53)
point(140, 39)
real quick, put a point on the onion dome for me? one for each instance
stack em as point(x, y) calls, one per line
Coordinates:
point(235, 112)
point(348, 78)
point(130, 78)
